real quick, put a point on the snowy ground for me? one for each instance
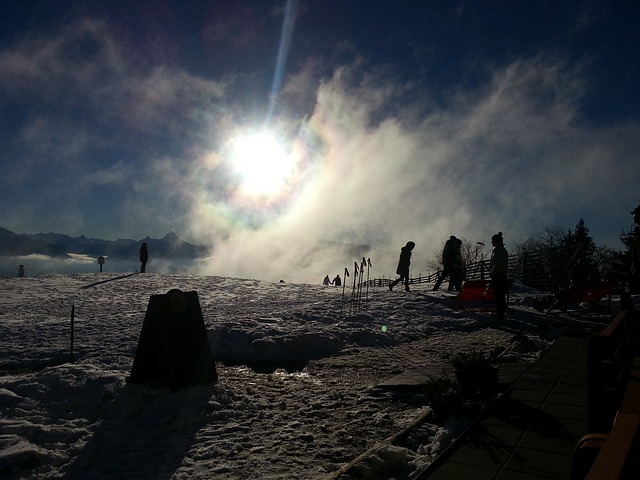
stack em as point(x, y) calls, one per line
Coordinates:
point(296, 396)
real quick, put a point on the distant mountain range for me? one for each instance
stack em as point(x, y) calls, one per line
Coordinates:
point(59, 245)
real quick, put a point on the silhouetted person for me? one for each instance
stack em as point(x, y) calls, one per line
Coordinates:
point(635, 259)
point(452, 264)
point(498, 273)
point(337, 281)
point(403, 266)
point(144, 257)
point(631, 283)
point(21, 270)
point(326, 280)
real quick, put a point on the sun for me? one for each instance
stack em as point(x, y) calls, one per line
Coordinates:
point(262, 164)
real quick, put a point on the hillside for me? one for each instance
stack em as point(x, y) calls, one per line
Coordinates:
point(60, 245)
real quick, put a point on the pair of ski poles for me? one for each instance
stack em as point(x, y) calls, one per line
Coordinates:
point(356, 294)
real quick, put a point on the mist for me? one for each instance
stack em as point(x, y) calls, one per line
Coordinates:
point(36, 265)
point(510, 156)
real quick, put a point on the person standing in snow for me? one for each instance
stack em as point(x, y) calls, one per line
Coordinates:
point(452, 263)
point(498, 273)
point(144, 257)
point(326, 280)
point(631, 282)
point(635, 252)
point(336, 281)
point(403, 266)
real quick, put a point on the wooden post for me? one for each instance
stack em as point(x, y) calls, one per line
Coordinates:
point(73, 309)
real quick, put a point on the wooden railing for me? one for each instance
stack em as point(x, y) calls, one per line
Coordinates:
point(544, 270)
point(473, 271)
point(384, 282)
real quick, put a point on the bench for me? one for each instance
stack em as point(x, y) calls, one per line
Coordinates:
point(610, 357)
point(610, 450)
point(578, 293)
point(618, 454)
point(479, 291)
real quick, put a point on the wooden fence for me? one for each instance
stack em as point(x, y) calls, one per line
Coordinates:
point(544, 270)
point(473, 271)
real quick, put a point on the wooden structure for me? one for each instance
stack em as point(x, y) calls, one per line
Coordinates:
point(173, 348)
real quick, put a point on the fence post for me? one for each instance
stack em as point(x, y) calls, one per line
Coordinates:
point(73, 311)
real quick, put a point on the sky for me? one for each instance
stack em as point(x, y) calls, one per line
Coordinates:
point(264, 127)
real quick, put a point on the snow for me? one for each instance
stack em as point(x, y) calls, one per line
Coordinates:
point(296, 395)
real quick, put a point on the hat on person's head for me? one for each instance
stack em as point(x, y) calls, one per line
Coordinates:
point(497, 238)
point(636, 211)
point(410, 245)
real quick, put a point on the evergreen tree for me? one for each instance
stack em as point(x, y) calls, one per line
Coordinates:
point(581, 236)
point(621, 259)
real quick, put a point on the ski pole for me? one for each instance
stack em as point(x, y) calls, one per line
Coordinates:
point(359, 302)
point(353, 291)
point(366, 298)
point(344, 284)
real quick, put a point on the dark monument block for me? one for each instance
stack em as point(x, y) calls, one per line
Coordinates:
point(173, 348)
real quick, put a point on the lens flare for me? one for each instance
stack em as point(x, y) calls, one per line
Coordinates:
point(262, 164)
point(256, 178)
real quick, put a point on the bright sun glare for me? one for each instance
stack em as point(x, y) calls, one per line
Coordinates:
point(262, 163)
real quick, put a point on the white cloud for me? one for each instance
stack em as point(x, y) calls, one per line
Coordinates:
point(510, 156)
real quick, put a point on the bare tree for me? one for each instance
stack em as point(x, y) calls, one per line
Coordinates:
point(435, 263)
point(603, 261)
point(549, 239)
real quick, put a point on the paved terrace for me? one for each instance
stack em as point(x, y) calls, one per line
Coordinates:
point(530, 433)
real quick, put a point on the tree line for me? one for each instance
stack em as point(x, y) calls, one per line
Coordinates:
point(602, 263)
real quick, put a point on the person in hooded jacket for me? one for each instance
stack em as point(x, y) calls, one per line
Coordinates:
point(452, 263)
point(403, 266)
point(498, 272)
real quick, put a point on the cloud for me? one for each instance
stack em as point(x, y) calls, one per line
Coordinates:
point(91, 112)
point(506, 156)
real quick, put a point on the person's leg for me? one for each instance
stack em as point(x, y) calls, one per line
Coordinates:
point(459, 280)
point(456, 280)
point(445, 274)
point(500, 290)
